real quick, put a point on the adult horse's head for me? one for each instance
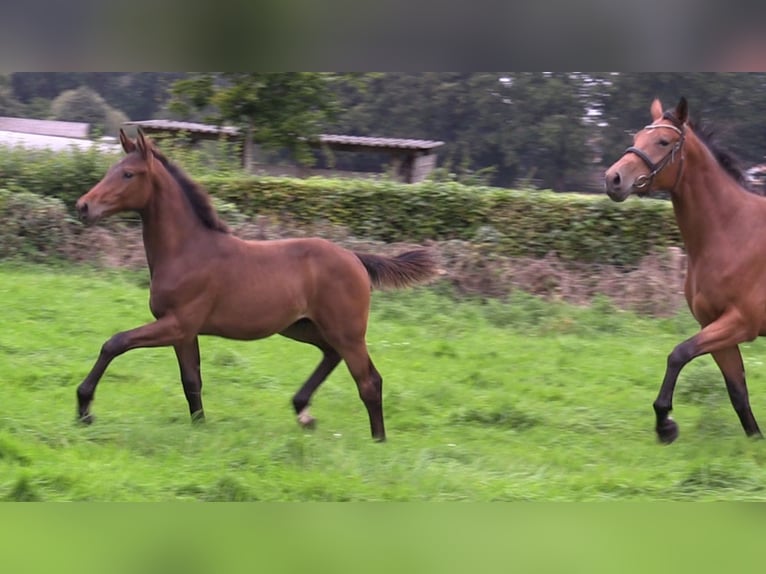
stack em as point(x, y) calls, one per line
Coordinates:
point(655, 160)
point(125, 187)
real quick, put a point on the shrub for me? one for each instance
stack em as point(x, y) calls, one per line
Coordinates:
point(584, 228)
point(34, 227)
point(512, 223)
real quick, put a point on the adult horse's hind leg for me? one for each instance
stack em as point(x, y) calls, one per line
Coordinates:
point(306, 331)
point(187, 354)
point(730, 362)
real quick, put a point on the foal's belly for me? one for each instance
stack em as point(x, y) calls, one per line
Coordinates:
point(253, 315)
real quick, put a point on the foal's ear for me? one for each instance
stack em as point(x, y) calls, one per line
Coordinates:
point(145, 148)
point(656, 109)
point(682, 110)
point(127, 144)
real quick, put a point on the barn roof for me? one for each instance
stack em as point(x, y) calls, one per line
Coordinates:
point(333, 140)
point(175, 126)
point(375, 142)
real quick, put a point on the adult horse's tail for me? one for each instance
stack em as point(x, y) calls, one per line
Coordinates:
point(404, 270)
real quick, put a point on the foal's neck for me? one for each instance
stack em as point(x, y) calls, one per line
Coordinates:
point(169, 222)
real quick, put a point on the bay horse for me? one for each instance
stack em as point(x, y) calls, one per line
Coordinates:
point(206, 281)
point(723, 227)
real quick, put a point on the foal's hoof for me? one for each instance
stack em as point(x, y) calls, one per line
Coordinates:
point(667, 431)
point(86, 419)
point(307, 422)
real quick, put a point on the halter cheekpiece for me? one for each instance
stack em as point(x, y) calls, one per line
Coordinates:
point(644, 181)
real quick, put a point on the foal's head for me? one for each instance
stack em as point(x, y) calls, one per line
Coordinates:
point(655, 159)
point(126, 186)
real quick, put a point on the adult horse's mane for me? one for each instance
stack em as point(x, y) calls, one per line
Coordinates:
point(198, 197)
point(725, 158)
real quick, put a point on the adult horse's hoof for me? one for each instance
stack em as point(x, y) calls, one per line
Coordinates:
point(667, 431)
point(198, 417)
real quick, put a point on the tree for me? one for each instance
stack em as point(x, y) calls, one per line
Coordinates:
point(85, 105)
point(734, 104)
point(522, 125)
point(279, 110)
point(137, 94)
point(9, 106)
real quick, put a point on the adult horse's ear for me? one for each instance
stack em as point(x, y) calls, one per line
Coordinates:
point(145, 148)
point(682, 110)
point(656, 109)
point(127, 144)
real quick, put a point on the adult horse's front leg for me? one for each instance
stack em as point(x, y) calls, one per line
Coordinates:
point(733, 370)
point(163, 332)
point(727, 331)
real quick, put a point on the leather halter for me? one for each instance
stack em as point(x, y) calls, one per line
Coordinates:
point(644, 181)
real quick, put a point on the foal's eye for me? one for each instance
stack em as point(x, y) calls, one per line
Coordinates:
point(664, 143)
point(127, 174)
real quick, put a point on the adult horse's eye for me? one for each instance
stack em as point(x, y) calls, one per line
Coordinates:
point(664, 143)
point(127, 174)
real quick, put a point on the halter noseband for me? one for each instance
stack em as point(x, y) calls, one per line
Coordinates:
point(644, 181)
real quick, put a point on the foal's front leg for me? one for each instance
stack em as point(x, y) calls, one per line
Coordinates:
point(162, 332)
point(187, 354)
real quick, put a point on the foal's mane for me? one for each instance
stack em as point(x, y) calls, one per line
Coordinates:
point(197, 196)
point(725, 158)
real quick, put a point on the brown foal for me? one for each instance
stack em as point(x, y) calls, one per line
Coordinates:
point(206, 281)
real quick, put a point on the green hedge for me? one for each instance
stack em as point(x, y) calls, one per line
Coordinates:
point(65, 175)
point(516, 223)
point(577, 227)
point(33, 227)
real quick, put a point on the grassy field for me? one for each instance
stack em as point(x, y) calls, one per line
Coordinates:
point(523, 400)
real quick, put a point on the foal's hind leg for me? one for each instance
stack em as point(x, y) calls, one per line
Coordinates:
point(306, 331)
point(368, 382)
point(187, 354)
point(730, 362)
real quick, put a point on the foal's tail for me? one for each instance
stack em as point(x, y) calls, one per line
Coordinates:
point(404, 270)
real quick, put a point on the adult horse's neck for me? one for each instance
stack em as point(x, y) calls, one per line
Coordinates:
point(707, 202)
point(169, 222)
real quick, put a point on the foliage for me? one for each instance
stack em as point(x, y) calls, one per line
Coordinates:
point(546, 130)
point(280, 110)
point(507, 222)
point(85, 105)
point(65, 176)
point(137, 94)
point(523, 223)
point(9, 106)
point(34, 227)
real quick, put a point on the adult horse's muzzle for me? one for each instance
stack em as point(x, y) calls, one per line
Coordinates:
point(615, 187)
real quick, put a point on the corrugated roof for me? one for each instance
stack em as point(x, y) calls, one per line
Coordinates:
point(45, 127)
point(379, 142)
point(174, 126)
point(332, 139)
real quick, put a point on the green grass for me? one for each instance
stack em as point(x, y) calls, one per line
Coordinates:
point(519, 400)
